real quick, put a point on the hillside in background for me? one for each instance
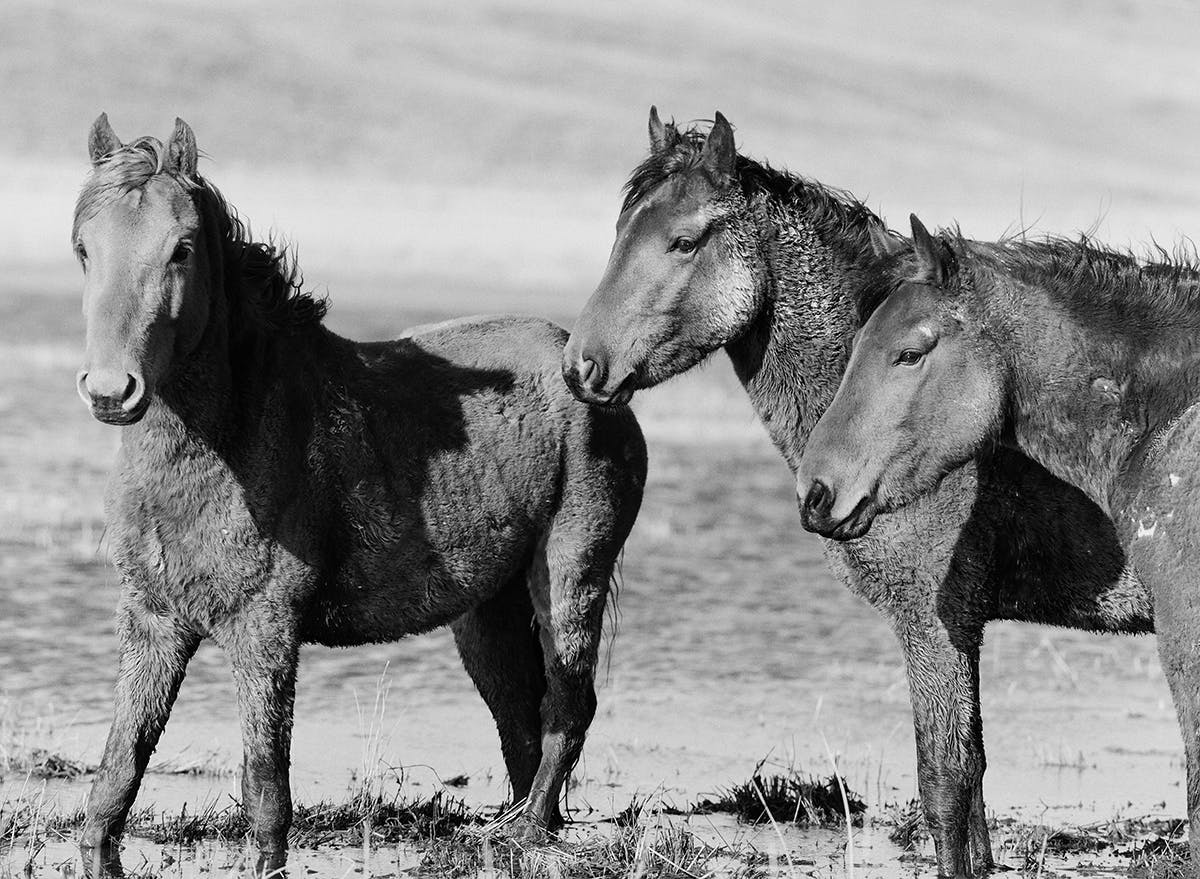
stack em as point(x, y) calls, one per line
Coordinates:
point(470, 154)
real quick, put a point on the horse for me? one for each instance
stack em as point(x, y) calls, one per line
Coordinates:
point(279, 485)
point(716, 251)
point(1083, 358)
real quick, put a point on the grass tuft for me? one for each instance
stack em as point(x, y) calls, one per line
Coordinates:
point(908, 824)
point(789, 797)
point(1161, 858)
point(43, 764)
point(387, 820)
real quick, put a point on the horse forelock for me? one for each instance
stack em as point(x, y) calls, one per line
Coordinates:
point(269, 278)
point(838, 217)
point(121, 172)
point(681, 152)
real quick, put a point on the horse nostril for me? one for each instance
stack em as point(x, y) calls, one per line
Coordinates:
point(81, 387)
point(108, 391)
point(819, 500)
point(592, 374)
point(135, 389)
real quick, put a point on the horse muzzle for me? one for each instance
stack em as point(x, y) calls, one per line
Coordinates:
point(116, 398)
point(821, 513)
point(589, 380)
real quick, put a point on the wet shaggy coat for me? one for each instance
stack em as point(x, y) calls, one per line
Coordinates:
point(286, 485)
point(1000, 539)
point(1092, 358)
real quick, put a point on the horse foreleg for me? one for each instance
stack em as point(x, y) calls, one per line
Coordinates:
point(1181, 664)
point(980, 839)
point(155, 651)
point(262, 647)
point(944, 689)
point(570, 608)
point(1177, 625)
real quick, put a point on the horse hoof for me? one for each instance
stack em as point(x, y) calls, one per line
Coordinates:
point(271, 864)
point(527, 831)
point(101, 861)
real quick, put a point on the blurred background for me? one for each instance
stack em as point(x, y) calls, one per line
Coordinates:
point(433, 158)
point(474, 150)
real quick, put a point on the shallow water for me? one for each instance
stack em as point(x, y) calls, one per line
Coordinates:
point(733, 642)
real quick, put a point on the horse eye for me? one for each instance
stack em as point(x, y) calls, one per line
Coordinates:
point(683, 244)
point(910, 357)
point(181, 253)
point(81, 252)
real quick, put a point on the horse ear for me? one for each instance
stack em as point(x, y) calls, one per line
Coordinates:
point(181, 150)
point(658, 132)
point(719, 156)
point(102, 140)
point(883, 242)
point(935, 259)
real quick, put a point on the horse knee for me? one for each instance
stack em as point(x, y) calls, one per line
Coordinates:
point(569, 710)
point(971, 765)
point(571, 629)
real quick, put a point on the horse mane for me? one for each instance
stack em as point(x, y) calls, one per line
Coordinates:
point(1086, 273)
point(269, 272)
point(271, 282)
point(838, 217)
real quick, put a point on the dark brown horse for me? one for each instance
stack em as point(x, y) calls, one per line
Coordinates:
point(714, 250)
point(278, 485)
point(1083, 358)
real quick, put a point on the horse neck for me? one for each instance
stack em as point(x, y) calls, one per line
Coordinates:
point(1057, 414)
point(213, 396)
point(791, 359)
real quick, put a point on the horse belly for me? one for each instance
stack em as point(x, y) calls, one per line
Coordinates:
point(415, 566)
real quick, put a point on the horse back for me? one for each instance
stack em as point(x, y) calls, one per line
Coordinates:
point(448, 453)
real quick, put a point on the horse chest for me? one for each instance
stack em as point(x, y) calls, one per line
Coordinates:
point(186, 541)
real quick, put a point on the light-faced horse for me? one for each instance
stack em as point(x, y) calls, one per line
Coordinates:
point(279, 485)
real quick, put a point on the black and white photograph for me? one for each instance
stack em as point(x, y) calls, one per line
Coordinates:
point(522, 439)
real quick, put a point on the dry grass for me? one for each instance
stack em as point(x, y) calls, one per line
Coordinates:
point(908, 830)
point(35, 748)
point(1151, 846)
point(789, 797)
point(1161, 858)
point(31, 747)
point(440, 835)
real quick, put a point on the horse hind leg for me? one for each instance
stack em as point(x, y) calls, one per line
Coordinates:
point(499, 646)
